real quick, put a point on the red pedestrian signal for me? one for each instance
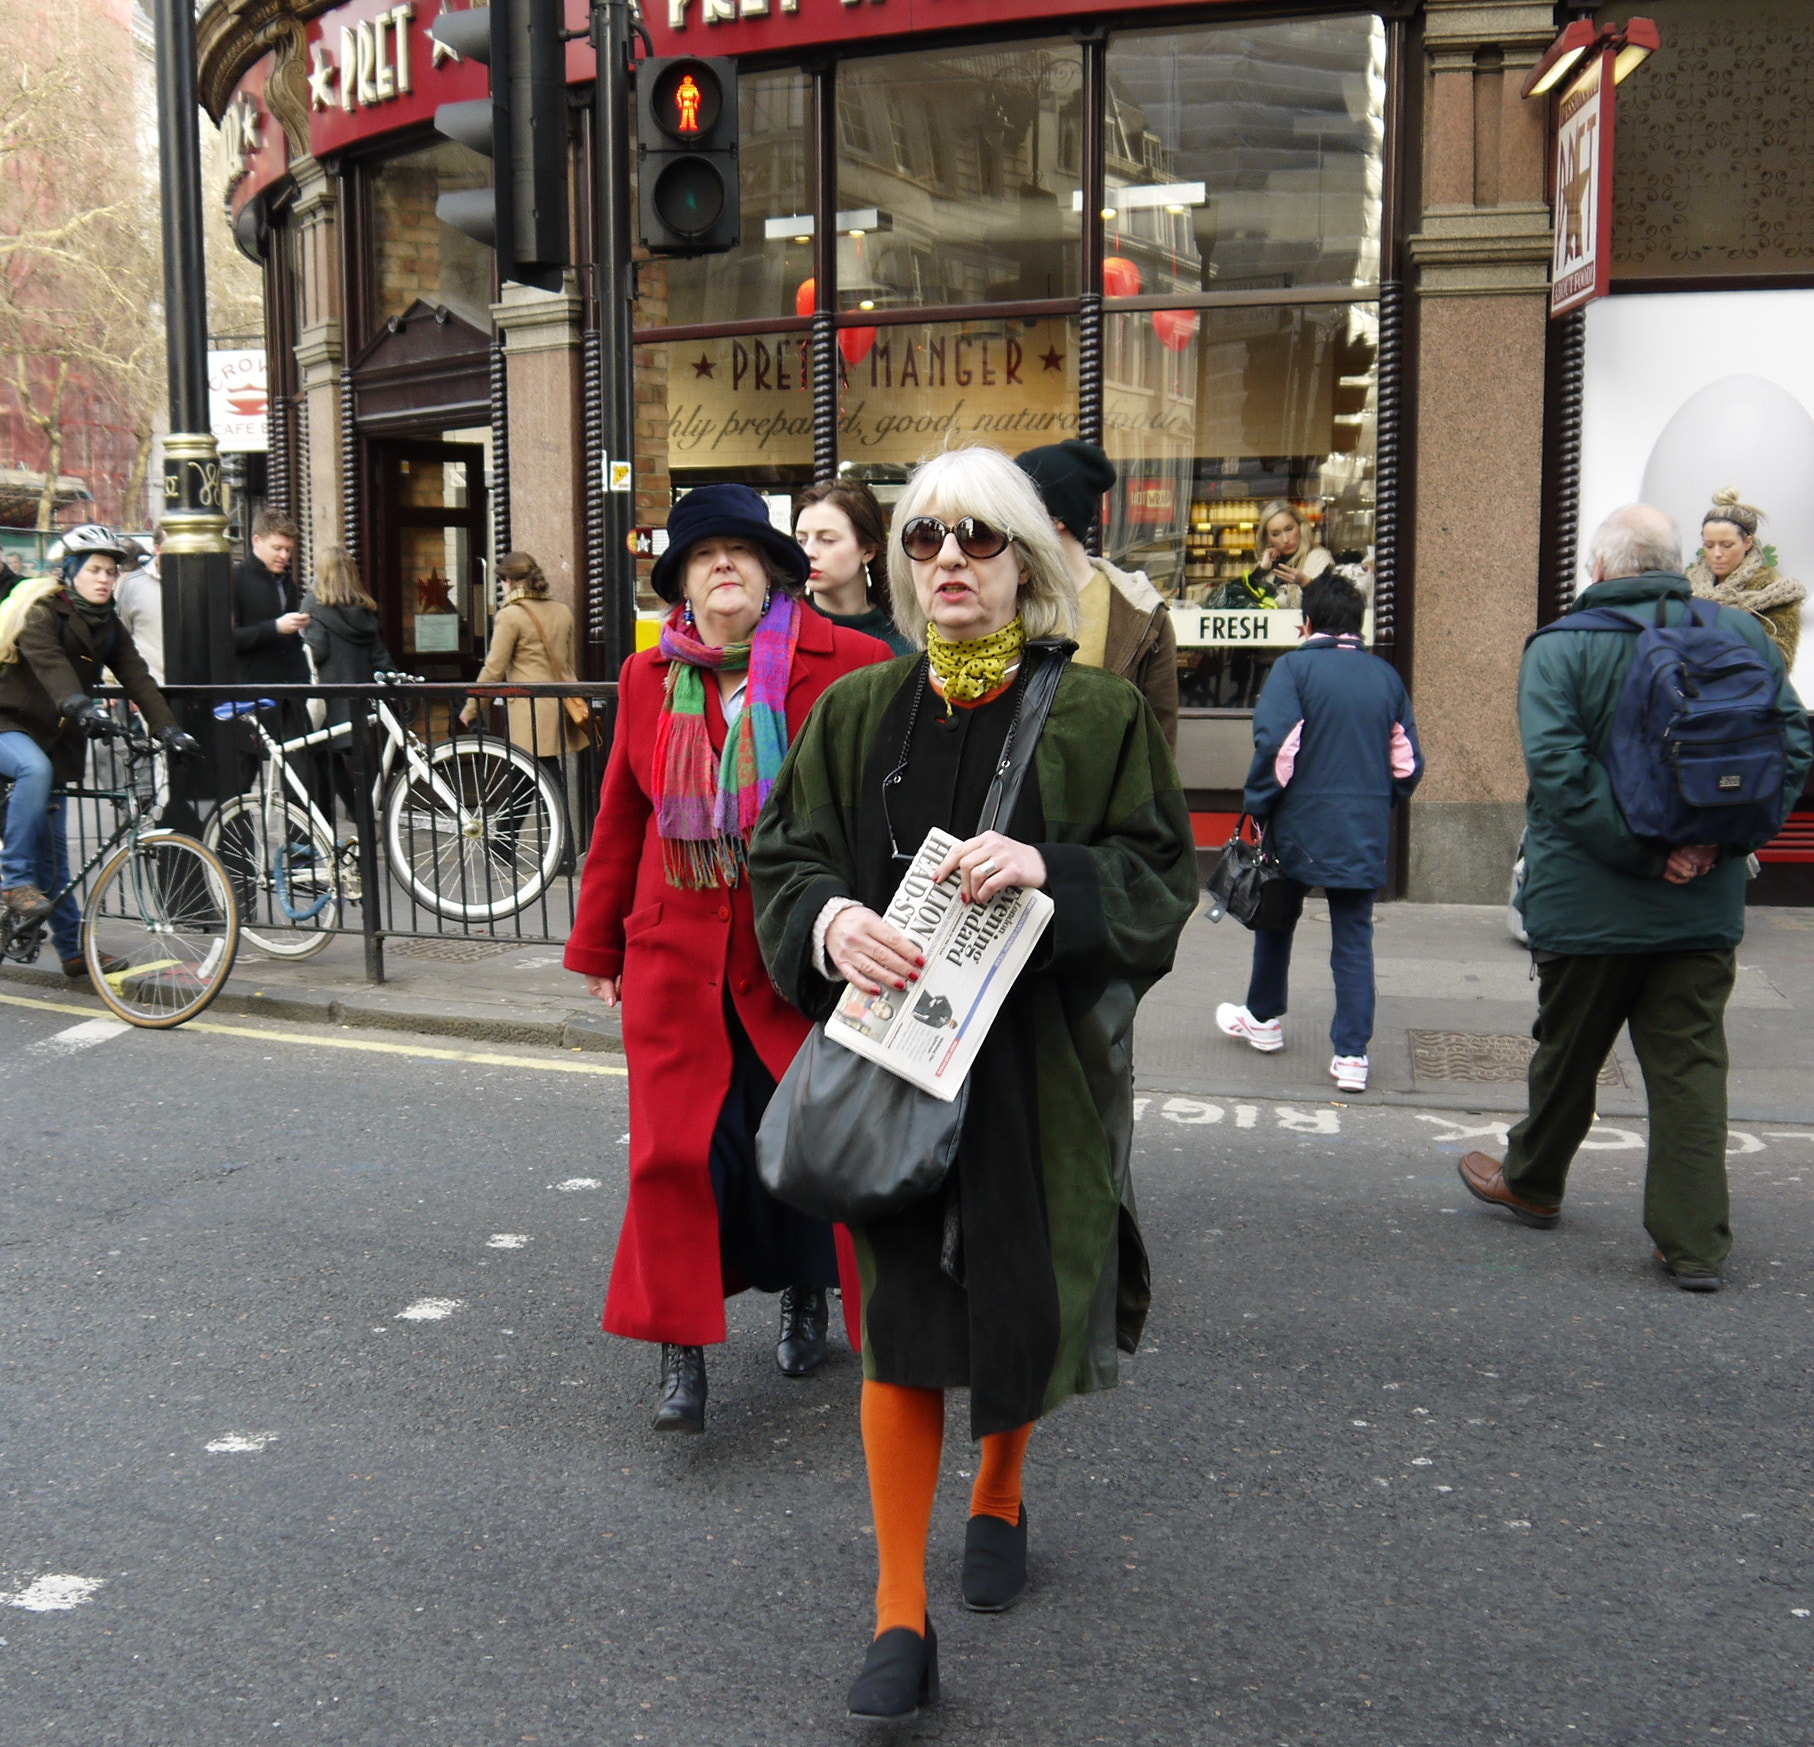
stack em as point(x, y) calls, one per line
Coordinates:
point(686, 160)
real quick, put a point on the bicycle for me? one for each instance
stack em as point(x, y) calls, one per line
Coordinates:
point(473, 828)
point(161, 911)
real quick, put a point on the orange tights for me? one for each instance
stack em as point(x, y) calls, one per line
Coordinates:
point(903, 1437)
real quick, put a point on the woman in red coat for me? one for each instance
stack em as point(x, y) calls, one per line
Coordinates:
point(664, 925)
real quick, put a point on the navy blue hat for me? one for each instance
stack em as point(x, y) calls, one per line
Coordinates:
point(719, 512)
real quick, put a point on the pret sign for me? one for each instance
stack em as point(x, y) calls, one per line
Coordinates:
point(1582, 262)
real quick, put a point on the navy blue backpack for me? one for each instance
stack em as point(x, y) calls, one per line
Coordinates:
point(1696, 751)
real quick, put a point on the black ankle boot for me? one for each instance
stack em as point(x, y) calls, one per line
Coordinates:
point(995, 1563)
point(900, 1674)
point(803, 1323)
point(680, 1406)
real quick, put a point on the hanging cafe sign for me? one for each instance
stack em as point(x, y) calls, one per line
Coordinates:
point(1587, 63)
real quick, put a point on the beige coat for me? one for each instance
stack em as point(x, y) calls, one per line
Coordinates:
point(518, 656)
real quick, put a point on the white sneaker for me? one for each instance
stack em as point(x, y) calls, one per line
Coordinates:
point(1265, 1035)
point(1350, 1072)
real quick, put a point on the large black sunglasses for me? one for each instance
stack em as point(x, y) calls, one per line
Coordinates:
point(924, 538)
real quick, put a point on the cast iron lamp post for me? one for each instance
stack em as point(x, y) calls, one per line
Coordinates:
point(196, 569)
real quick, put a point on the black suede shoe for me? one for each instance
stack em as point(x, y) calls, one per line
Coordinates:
point(680, 1407)
point(995, 1563)
point(1691, 1278)
point(900, 1674)
point(803, 1323)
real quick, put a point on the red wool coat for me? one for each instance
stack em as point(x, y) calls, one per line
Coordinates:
point(675, 949)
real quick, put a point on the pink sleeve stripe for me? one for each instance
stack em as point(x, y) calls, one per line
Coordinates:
point(1404, 760)
point(1287, 760)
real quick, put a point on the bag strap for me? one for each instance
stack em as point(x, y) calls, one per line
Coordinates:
point(1024, 731)
point(547, 647)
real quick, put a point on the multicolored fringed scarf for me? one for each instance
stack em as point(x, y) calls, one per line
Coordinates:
point(705, 815)
point(968, 671)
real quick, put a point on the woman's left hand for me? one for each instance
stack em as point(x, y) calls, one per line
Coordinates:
point(1289, 576)
point(1007, 863)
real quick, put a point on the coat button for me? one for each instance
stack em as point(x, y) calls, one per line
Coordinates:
point(724, 912)
point(743, 985)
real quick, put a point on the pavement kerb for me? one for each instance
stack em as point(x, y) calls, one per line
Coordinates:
point(557, 1027)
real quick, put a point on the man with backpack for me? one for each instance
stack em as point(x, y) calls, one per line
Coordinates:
point(1663, 744)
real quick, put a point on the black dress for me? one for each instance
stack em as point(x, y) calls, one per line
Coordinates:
point(964, 1292)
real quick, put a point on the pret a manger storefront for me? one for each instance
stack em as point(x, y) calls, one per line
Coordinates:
point(1253, 249)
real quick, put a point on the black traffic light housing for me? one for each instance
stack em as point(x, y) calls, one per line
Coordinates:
point(686, 155)
point(521, 127)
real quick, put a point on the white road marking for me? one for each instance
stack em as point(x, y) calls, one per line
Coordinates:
point(1309, 1121)
point(1747, 1143)
point(1247, 1115)
point(430, 1309)
point(1190, 1110)
point(573, 1183)
point(83, 1036)
point(234, 1443)
point(506, 1240)
point(1495, 1131)
point(53, 1594)
point(1602, 1139)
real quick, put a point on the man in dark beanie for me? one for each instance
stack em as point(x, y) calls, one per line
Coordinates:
point(1126, 626)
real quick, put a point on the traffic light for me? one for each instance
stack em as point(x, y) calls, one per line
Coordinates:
point(686, 129)
point(521, 127)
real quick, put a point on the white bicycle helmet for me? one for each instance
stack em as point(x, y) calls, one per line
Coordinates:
point(93, 537)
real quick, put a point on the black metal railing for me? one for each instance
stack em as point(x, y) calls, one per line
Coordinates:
point(408, 809)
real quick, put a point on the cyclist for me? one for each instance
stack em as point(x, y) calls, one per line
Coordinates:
point(56, 635)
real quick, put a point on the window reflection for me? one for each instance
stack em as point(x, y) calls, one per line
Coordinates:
point(1211, 417)
point(762, 276)
point(1245, 155)
point(960, 175)
point(417, 258)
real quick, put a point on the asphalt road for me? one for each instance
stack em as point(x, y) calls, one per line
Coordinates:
point(1388, 1469)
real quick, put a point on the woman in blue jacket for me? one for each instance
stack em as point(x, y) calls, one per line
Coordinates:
point(1335, 749)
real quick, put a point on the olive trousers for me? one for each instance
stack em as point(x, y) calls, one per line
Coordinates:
point(1675, 1004)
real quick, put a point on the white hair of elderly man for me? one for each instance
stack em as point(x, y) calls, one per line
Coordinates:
point(1634, 539)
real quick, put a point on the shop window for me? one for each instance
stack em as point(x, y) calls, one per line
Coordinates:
point(763, 275)
point(961, 173)
point(1250, 405)
point(1245, 156)
point(415, 257)
point(1714, 168)
point(739, 407)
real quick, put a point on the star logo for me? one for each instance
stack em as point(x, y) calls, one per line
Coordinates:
point(321, 78)
point(442, 53)
point(703, 366)
point(1052, 358)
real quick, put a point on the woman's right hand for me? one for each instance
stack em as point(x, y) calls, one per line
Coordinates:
point(606, 989)
point(866, 951)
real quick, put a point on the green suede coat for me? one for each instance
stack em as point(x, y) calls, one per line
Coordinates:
point(1118, 849)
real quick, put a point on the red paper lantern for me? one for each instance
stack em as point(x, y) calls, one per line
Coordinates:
point(1176, 328)
point(1120, 277)
point(854, 343)
point(805, 296)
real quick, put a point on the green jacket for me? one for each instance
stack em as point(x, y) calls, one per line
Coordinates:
point(1118, 845)
point(1590, 886)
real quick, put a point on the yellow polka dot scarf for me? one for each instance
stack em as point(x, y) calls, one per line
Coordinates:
point(968, 671)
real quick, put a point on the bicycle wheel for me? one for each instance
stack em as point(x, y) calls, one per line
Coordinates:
point(161, 930)
point(479, 834)
point(284, 872)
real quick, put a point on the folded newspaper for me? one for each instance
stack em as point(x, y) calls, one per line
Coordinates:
point(930, 1032)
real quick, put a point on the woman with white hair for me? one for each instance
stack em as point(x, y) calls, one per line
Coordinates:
point(1019, 1277)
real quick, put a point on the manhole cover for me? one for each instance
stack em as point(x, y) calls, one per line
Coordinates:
point(1477, 1056)
point(455, 951)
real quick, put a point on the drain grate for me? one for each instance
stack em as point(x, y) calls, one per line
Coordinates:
point(1482, 1056)
point(454, 951)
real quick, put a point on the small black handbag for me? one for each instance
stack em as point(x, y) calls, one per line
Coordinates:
point(844, 1139)
point(1246, 883)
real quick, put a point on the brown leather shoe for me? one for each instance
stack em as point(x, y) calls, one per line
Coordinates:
point(1484, 1179)
point(26, 902)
